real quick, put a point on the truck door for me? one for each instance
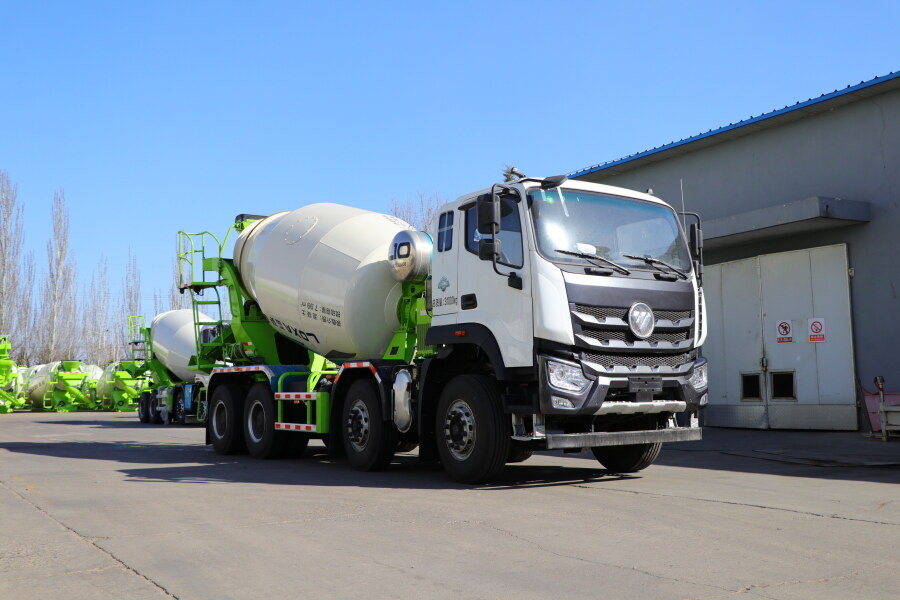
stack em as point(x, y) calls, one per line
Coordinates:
point(488, 298)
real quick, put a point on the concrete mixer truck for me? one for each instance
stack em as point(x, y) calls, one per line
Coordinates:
point(56, 386)
point(9, 378)
point(548, 314)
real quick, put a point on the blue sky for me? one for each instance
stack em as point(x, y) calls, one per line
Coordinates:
point(155, 117)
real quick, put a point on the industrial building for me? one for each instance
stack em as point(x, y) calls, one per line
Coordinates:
point(801, 216)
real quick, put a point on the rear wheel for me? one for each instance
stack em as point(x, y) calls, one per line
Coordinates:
point(368, 440)
point(154, 414)
point(263, 440)
point(473, 440)
point(627, 459)
point(179, 415)
point(226, 413)
point(142, 411)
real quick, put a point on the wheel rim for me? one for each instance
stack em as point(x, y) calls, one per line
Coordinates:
point(358, 426)
point(256, 422)
point(179, 410)
point(459, 430)
point(219, 420)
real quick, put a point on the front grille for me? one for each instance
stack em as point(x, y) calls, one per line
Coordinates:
point(628, 337)
point(607, 312)
point(632, 361)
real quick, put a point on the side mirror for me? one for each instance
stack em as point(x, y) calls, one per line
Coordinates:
point(696, 240)
point(489, 249)
point(487, 207)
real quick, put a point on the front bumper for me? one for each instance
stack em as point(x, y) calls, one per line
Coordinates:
point(632, 394)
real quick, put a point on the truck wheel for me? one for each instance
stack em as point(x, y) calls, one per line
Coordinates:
point(368, 440)
point(473, 441)
point(178, 408)
point(227, 410)
point(518, 454)
point(263, 440)
point(143, 415)
point(627, 459)
point(152, 412)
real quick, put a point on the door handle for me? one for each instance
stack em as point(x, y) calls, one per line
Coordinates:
point(468, 302)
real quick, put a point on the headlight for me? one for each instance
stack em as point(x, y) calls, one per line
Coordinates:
point(567, 377)
point(698, 378)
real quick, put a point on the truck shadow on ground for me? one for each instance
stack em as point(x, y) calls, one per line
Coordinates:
point(180, 463)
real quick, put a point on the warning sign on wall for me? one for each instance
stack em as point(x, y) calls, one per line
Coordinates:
point(783, 331)
point(816, 329)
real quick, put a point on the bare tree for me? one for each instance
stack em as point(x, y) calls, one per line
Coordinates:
point(11, 239)
point(98, 330)
point(131, 301)
point(55, 335)
point(23, 346)
point(420, 212)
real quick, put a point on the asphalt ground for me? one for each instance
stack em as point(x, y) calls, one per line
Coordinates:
point(97, 505)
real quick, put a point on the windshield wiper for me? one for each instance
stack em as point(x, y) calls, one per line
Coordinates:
point(656, 263)
point(588, 256)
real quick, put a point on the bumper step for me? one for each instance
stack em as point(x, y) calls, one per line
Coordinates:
point(622, 438)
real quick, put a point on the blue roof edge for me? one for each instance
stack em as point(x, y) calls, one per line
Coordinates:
point(763, 117)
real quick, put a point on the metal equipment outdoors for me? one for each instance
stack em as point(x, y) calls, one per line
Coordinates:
point(89, 387)
point(550, 314)
point(120, 386)
point(231, 335)
point(9, 379)
point(56, 386)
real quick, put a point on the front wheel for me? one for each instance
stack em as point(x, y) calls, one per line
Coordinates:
point(472, 437)
point(226, 412)
point(368, 440)
point(627, 459)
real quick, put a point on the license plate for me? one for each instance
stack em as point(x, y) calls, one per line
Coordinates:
point(645, 384)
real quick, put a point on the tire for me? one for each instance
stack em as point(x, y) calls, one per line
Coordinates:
point(627, 459)
point(263, 440)
point(368, 441)
point(178, 412)
point(225, 419)
point(143, 415)
point(153, 414)
point(472, 436)
point(518, 454)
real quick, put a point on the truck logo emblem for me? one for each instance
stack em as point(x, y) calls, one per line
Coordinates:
point(640, 320)
point(444, 284)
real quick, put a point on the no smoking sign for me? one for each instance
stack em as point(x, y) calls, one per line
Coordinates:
point(816, 329)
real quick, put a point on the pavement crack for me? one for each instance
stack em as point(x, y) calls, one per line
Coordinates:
point(744, 504)
point(91, 542)
point(599, 563)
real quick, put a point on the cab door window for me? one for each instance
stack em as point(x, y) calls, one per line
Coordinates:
point(510, 236)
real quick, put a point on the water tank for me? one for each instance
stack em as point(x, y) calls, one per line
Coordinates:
point(172, 333)
point(321, 275)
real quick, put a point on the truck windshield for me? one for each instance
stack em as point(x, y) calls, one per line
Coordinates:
point(618, 229)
